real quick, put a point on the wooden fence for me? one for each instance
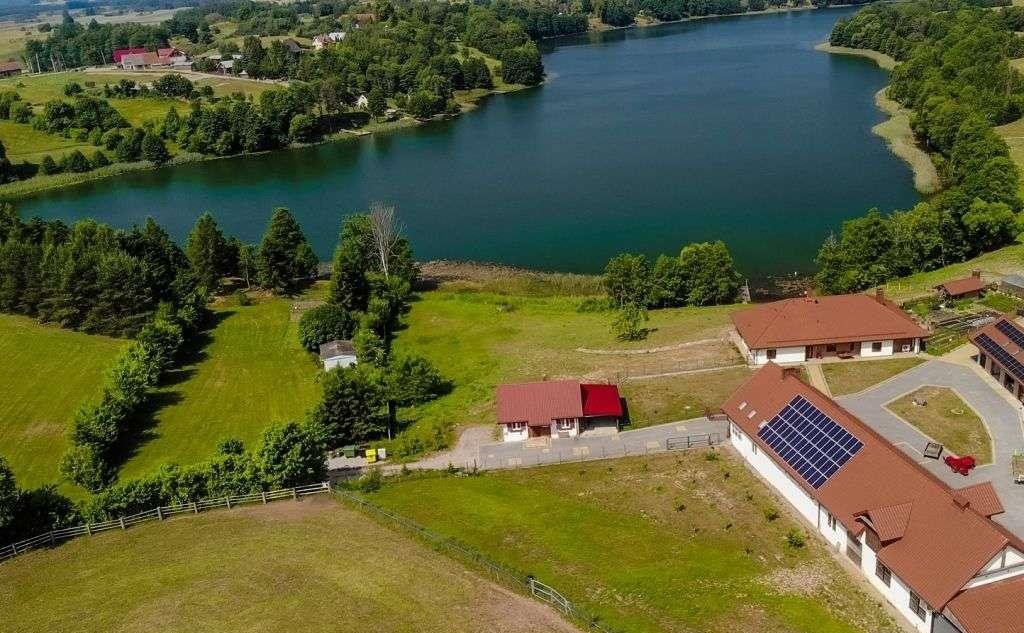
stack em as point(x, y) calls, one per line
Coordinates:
point(158, 513)
point(500, 572)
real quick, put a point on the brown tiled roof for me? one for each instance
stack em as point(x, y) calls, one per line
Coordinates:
point(943, 544)
point(993, 608)
point(982, 498)
point(7, 67)
point(957, 287)
point(890, 522)
point(821, 320)
point(539, 403)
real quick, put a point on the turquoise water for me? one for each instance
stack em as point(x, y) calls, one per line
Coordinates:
point(642, 140)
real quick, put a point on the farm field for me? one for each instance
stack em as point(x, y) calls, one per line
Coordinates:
point(852, 377)
point(948, 420)
point(246, 373)
point(45, 375)
point(260, 568)
point(681, 542)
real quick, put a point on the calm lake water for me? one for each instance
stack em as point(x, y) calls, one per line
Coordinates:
point(642, 140)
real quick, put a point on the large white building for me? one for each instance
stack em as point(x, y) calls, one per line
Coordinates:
point(933, 552)
point(806, 328)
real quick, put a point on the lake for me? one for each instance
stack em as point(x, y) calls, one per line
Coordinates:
point(642, 140)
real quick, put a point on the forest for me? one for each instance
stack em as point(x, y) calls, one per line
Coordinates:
point(954, 73)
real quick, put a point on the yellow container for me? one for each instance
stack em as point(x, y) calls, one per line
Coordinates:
point(371, 455)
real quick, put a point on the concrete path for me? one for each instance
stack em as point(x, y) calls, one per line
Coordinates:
point(817, 378)
point(1000, 414)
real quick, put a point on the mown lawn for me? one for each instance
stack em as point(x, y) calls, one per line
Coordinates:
point(312, 566)
point(948, 420)
point(248, 372)
point(680, 542)
point(479, 339)
point(855, 376)
point(45, 373)
point(673, 398)
point(24, 143)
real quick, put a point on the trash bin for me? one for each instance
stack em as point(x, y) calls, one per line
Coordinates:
point(382, 453)
point(371, 455)
point(349, 451)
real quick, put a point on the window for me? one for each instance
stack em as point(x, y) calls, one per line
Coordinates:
point(831, 522)
point(830, 348)
point(883, 573)
point(564, 425)
point(876, 346)
point(981, 359)
point(917, 606)
point(754, 446)
point(517, 426)
point(770, 354)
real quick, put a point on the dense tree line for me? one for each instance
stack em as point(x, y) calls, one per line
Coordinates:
point(73, 45)
point(954, 73)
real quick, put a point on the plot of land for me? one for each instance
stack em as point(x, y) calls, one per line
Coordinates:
point(45, 374)
point(856, 376)
point(1002, 261)
point(680, 542)
point(672, 398)
point(947, 419)
point(311, 565)
point(23, 143)
point(249, 372)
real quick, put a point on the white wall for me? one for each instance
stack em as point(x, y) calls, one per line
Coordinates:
point(339, 361)
point(766, 467)
point(865, 348)
point(572, 431)
point(1006, 564)
point(508, 435)
point(783, 355)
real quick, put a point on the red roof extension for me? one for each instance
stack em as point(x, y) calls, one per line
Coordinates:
point(823, 320)
point(540, 403)
point(933, 537)
point(121, 52)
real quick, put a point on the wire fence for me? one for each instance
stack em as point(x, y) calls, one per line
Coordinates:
point(158, 513)
point(501, 573)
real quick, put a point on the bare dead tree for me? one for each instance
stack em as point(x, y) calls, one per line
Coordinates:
point(386, 232)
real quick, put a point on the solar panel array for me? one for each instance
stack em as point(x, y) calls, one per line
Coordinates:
point(1003, 357)
point(809, 441)
point(1011, 332)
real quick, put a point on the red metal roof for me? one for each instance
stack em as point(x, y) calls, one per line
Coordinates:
point(539, 403)
point(121, 52)
point(601, 401)
point(823, 320)
point(943, 544)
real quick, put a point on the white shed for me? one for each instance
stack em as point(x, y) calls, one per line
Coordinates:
point(337, 354)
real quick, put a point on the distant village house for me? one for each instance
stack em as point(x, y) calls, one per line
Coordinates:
point(10, 69)
point(321, 41)
point(557, 408)
point(843, 326)
point(337, 353)
point(965, 288)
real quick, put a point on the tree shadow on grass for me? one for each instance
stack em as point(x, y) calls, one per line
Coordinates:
point(144, 422)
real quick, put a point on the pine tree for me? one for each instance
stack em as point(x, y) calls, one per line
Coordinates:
point(282, 260)
point(154, 150)
point(207, 252)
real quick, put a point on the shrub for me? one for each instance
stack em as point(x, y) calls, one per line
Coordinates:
point(75, 162)
point(49, 166)
point(99, 159)
point(771, 513)
point(21, 112)
point(371, 481)
point(325, 323)
point(795, 539)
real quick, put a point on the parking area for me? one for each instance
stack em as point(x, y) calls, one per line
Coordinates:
point(1000, 413)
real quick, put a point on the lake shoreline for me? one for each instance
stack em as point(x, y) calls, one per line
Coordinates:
point(896, 130)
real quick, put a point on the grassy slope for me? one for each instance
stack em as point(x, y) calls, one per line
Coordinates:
point(263, 568)
point(852, 377)
point(674, 543)
point(45, 374)
point(250, 372)
point(23, 143)
point(948, 420)
point(999, 262)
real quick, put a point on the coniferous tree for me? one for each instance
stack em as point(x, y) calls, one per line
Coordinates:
point(207, 252)
point(284, 256)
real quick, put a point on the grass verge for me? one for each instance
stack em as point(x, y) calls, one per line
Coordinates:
point(856, 376)
point(947, 419)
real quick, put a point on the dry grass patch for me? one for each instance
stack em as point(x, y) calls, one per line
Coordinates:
point(855, 376)
point(947, 419)
point(672, 398)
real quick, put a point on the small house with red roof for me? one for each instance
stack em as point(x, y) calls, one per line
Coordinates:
point(557, 408)
point(121, 52)
point(932, 551)
point(964, 288)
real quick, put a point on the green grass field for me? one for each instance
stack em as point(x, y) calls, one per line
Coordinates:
point(947, 419)
point(45, 374)
point(312, 565)
point(674, 543)
point(855, 376)
point(1000, 262)
point(672, 398)
point(23, 143)
point(249, 372)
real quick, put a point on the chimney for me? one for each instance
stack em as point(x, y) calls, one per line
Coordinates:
point(976, 274)
point(880, 294)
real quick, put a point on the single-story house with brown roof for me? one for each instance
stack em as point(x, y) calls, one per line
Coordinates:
point(967, 287)
point(932, 551)
point(806, 328)
point(557, 408)
point(9, 69)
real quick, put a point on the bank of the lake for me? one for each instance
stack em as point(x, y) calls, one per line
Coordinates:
point(896, 130)
point(641, 140)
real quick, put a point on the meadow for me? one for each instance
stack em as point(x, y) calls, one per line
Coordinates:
point(947, 419)
point(681, 542)
point(852, 377)
point(261, 568)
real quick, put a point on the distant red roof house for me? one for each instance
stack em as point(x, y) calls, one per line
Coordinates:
point(9, 69)
point(557, 407)
point(121, 52)
point(795, 330)
point(931, 550)
point(971, 286)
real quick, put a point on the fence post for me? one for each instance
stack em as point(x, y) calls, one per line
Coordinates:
point(195, 508)
point(227, 502)
point(51, 537)
point(295, 493)
point(121, 521)
point(88, 529)
point(159, 513)
point(263, 494)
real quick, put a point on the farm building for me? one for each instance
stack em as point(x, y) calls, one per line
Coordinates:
point(559, 408)
point(1013, 285)
point(932, 551)
point(10, 69)
point(845, 326)
point(337, 354)
point(967, 287)
point(321, 41)
point(119, 54)
point(1001, 351)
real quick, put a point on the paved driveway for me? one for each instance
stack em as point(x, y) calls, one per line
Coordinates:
point(985, 395)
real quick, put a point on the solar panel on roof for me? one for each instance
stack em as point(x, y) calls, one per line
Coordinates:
point(814, 444)
point(1011, 332)
point(1003, 357)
